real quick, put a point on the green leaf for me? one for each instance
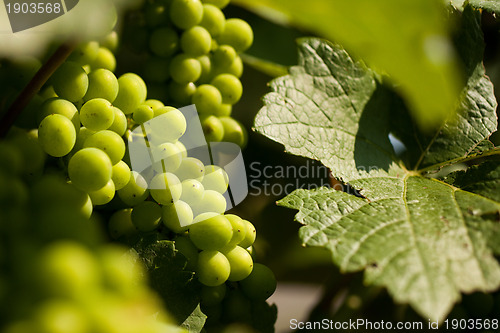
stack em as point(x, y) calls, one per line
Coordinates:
point(490, 5)
point(426, 241)
point(408, 40)
point(175, 286)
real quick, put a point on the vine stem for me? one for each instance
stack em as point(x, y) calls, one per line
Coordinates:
point(491, 152)
point(34, 86)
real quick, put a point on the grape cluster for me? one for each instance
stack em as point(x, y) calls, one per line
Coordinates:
point(188, 52)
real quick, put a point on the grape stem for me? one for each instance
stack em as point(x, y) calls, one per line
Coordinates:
point(34, 86)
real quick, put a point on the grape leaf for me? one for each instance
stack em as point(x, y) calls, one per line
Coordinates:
point(423, 239)
point(408, 40)
point(177, 287)
point(490, 5)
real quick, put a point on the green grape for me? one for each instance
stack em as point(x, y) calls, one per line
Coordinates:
point(70, 81)
point(215, 179)
point(143, 113)
point(196, 41)
point(182, 149)
point(218, 3)
point(184, 69)
point(234, 131)
point(56, 135)
point(212, 128)
point(90, 169)
point(154, 104)
point(163, 109)
point(33, 155)
point(62, 107)
point(103, 195)
point(156, 70)
point(211, 201)
point(164, 42)
point(206, 69)
point(105, 59)
point(192, 191)
point(213, 268)
point(241, 263)
point(110, 41)
point(236, 67)
point(109, 142)
point(120, 122)
point(184, 245)
point(84, 53)
point(204, 216)
point(156, 13)
point(177, 216)
point(224, 111)
point(237, 33)
point(169, 157)
point(191, 168)
point(169, 125)
point(213, 20)
point(165, 188)
point(239, 229)
point(224, 55)
point(212, 233)
point(136, 191)
point(250, 235)
point(207, 99)
point(146, 216)
point(82, 135)
point(66, 269)
point(260, 284)
point(120, 224)
point(120, 175)
point(181, 93)
point(132, 92)
point(229, 86)
point(102, 84)
point(210, 296)
point(97, 114)
point(186, 13)
point(58, 316)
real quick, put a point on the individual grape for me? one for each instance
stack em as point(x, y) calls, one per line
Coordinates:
point(240, 261)
point(184, 69)
point(163, 109)
point(82, 135)
point(212, 233)
point(182, 149)
point(97, 114)
point(206, 69)
point(215, 179)
point(191, 168)
point(102, 84)
point(156, 70)
point(177, 216)
point(204, 216)
point(260, 284)
point(211, 201)
point(212, 128)
point(210, 296)
point(120, 175)
point(165, 188)
point(109, 142)
point(224, 111)
point(154, 104)
point(186, 13)
point(90, 169)
point(143, 113)
point(57, 315)
point(196, 41)
point(237, 33)
point(62, 107)
point(236, 67)
point(120, 224)
point(184, 245)
point(146, 216)
point(156, 13)
point(239, 229)
point(84, 53)
point(120, 122)
point(218, 3)
point(213, 268)
point(234, 131)
point(110, 41)
point(105, 59)
point(70, 81)
point(132, 92)
point(181, 93)
point(192, 191)
point(56, 135)
point(224, 56)
point(229, 86)
point(250, 235)
point(207, 99)
point(168, 126)
point(164, 42)
point(213, 20)
point(136, 191)
point(103, 195)
point(169, 157)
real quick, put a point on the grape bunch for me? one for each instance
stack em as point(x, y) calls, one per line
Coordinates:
point(188, 53)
